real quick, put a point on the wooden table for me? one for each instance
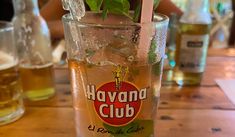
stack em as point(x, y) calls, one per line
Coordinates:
point(202, 111)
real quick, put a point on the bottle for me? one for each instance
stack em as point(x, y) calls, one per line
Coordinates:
point(32, 39)
point(192, 43)
point(231, 40)
point(169, 62)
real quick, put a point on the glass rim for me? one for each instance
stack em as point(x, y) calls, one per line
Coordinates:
point(6, 26)
point(158, 20)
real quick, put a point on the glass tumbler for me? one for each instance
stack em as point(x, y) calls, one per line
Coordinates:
point(115, 70)
point(11, 102)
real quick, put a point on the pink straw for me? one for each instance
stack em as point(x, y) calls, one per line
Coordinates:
point(146, 11)
point(145, 32)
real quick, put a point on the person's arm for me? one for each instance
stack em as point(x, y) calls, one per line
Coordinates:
point(167, 7)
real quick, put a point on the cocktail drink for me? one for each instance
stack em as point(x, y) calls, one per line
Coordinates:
point(115, 74)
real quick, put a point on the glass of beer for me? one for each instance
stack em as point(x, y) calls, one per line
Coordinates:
point(115, 70)
point(11, 102)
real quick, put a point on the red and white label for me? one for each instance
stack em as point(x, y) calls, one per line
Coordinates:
point(117, 107)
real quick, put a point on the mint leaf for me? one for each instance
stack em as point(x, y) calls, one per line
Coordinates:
point(155, 4)
point(89, 52)
point(137, 13)
point(152, 52)
point(104, 14)
point(157, 68)
point(94, 4)
point(105, 9)
point(152, 58)
point(120, 7)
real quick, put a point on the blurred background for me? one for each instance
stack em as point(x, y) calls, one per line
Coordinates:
point(222, 12)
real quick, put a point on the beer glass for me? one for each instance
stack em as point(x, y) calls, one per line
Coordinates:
point(11, 103)
point(115, 69)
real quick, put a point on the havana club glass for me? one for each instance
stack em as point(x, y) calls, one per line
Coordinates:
point(115, 70)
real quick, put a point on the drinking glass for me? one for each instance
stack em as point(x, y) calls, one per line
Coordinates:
point(115, 70)
point(11, 102)
point(32, 39)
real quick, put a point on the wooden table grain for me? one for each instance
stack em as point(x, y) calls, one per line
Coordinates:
point(201, 111)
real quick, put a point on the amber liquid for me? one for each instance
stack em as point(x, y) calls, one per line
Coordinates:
point(83, 73)
point(182, 77)
point(11, 102)
point(37, 82)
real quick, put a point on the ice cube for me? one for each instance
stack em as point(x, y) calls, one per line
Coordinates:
point(96, 57)
point(115, 53)
point(121, 53)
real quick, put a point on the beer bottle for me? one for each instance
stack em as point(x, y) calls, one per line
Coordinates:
point(192, 43)
point(32, 39)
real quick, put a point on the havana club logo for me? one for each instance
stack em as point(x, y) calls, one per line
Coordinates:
point(117, 103)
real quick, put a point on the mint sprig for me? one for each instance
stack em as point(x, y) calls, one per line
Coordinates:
point(94, 5)
point(120, 7)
